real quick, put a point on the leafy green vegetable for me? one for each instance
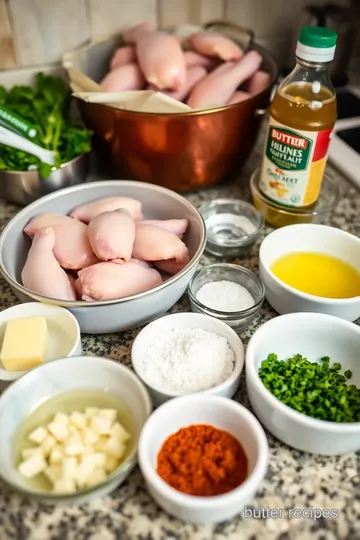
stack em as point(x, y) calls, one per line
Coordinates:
point(317, 390)
point(47, 106)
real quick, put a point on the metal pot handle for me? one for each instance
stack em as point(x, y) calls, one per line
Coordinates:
point(242, 35)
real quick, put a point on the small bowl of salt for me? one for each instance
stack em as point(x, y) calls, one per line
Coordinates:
point(227, 292)
point(233, 226)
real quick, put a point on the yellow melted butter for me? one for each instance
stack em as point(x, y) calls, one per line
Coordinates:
point(318, 274)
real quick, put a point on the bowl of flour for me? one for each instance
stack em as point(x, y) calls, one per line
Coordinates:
point(186, 353)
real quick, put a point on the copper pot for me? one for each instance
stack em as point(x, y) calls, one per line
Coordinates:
point(182, 151)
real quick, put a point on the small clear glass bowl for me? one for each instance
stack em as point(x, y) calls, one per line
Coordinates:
point(278, 216)
point(225, 237)
point(238, 320)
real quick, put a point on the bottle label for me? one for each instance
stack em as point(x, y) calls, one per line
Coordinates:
point(293, 164)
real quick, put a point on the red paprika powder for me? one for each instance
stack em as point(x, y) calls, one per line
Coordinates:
point(202, 460)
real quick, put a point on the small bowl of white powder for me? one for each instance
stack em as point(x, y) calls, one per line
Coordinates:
point(233, 226)
point(229, 292)
point(185, 353)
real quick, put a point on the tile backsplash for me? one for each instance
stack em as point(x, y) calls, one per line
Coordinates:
point(35, 32)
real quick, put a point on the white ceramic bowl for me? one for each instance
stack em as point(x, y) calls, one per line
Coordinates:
point(101, 317)
point(314, 336)
point(187, 320)
point(66, 375)
point(64, 333)
point(223, 414)
point(308, 238)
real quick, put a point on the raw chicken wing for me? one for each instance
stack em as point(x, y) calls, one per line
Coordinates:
point(176, 226)
point(211, 44)
point(86, 212)
point(72, 247)
point(107, 280)
point(216, 89)
point(155, 244)
point(42, 273)
point(122, 56)
point(123, 78)
point(112, 235)
point(161, 60)
point(238, 96)
point(133, 34)
point(171, 266)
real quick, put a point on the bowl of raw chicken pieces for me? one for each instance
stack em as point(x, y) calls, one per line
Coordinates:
point(116, 253)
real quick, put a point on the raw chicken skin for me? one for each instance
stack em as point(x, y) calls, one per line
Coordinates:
point(171, 266)
point(133, 34)
point(143, 263)
point(157, 244)
point(112, 235)
point(107, 280)
point(193, 58)
point(42, 274)
point(216, 89)
point(124, 78)
point(176, 226)
point(122, 56)
point(238, 96)
point(72, 247)
point(193, 75)
point(44, 220)
point(86, 212)
point(258, 82)
point(211, 44)
point(161, 60)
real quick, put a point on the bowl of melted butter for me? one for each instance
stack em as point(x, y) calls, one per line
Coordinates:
point(312, 268)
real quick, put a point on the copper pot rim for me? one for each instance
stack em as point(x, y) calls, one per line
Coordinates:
point(274, 71)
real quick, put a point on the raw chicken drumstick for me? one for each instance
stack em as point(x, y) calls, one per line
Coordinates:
point(112, 235)
point(124, 78)
point(193, 75)
point(42, 273)
point(211, 44)
point(216, 89)
point(107, 280)
point(156, 244)
point(86, 212)
point(72, 247)
point(122, 56)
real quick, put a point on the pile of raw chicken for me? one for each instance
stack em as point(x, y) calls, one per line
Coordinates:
point(104, 250)
point(205, 70)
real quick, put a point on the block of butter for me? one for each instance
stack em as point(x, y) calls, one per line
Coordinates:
point(25, 343)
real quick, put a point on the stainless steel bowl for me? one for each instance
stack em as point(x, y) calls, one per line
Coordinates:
point(114, 315)
point(24, 187)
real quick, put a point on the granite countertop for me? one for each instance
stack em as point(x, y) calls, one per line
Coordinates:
point(294, 479)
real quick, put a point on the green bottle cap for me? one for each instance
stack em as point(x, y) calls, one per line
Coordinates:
point(318, 37)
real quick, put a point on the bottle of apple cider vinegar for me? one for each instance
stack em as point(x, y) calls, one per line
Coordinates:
point(302, 117)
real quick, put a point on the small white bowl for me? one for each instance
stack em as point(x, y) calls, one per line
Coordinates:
point(187, 320)
point(223, 414)
point(64, 333)
point(314, 336)
point(55, 378)
point(308, 238)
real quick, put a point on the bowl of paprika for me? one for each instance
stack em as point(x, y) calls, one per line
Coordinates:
point(203, 457)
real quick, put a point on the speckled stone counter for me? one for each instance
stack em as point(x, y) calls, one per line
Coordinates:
point(294, 479)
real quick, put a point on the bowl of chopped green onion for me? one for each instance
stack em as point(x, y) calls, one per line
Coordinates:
point(42, 114)
point(303, 381)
